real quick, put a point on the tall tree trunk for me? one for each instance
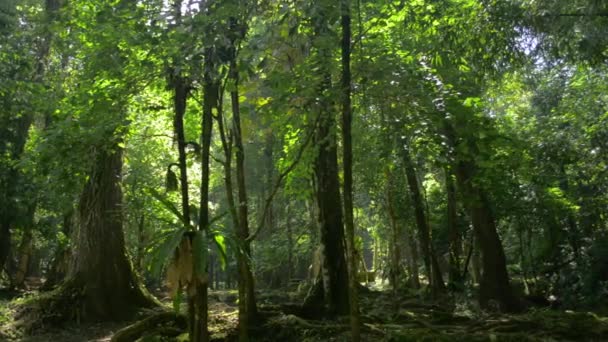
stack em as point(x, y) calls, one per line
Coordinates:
point(454, 236)
point(424, 232)
point(327, 184)
point(180, 97)
point(347, 155)
point(494, 284)
point(414, 279)
point(100, 267)
point(394, 248)
point(476, 264)
point(141, 242)
point(199, 331)
point(247, 304)
point(5, 241)
point(24, 252)
point(573, 230)
point(335, 273)
point(289, 232)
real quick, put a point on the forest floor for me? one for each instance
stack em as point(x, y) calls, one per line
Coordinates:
point(387, 316)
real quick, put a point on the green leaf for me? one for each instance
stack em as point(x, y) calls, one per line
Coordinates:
point(177, 300)
point(170, 206)
point(165, 251)
point(220, 243)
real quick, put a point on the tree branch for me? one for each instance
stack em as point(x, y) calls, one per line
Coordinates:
point(280, 179)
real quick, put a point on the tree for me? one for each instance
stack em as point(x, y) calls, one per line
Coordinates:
point(327, 186)
point(100, 271)
point(348, 176)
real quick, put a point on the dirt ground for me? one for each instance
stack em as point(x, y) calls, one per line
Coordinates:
point(387, 316)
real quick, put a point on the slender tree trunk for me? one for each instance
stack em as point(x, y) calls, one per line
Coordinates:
point(5, 242)
point(430, 260)
point(347, 155)
point(247, 304)
point(24, 254)
point(476, 260)
point(394, 250)
point(141, 242)
point(61, 259)
point(455, 240)
point(573, 230)
point(413, 261)
point(376, 257)
point(289, 232)
point(199, 331)
point(180, 95)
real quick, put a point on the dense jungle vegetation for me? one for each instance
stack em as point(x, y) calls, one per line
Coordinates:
point(292, 170)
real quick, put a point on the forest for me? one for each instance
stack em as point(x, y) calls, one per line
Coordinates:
point(303, 170)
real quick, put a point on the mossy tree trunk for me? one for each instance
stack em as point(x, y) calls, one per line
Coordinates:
point(101, 271)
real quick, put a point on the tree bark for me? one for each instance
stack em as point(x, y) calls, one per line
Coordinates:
point(247, 303)
point(199, 327)
point(327, 185)
point(347, 155)
point(5, 241)
point(394, 250)
point(454, 235)
point(289, 232)
point(24, 254)
point(180, 96)
point(494, 284)
point(414, 276)
point(100, 267)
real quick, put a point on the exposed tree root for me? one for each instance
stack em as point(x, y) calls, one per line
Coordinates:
point(163, 324)
point(70, 303)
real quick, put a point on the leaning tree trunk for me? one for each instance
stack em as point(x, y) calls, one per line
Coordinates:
point(101, 271)
point(494, 284)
